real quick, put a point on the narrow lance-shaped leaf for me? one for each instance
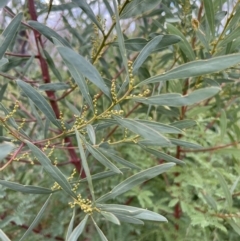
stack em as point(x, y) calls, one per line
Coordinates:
point(186, 144)
point(163, 156)
point(36, 114)
point(138, 7)
point(210, 200)
point(110, 217)
point(106, 174)
point(5, 149)
point(37, 219)
point(49, 8)
point(184, 44)
point(168, 39)
point(108, 6)
point(80, 64)
point(2, 90)
point(52, 170)
point(225, 188)
point(85, 7)
point(234, 225)
point(78, 230)
point(135, 44)
point(139, 213)
point(119, 159)
point(146, 51)
point(9, 33)
point(183, 124)
point(52, 65)
point(230, 37)
point(141, 129)
point(85, 164)
point(70, 226)
point(3, 61)
point(235, 184)
point(91, 134)
point(3, 236)
point(101, 158)
point(39, 101)
point(54, 86)
point(209, 11)
point(174, 99)
point(223, 124)
point(48, 32)
point(136, 179)
point(73, 63)
point(196, 68)
point(101, 234)
point(120, 39)
point(3, 3)
point(128, 219)
point(162, 128)
point(25, 188)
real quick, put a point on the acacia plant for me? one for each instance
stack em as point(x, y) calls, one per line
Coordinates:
point(94, 107)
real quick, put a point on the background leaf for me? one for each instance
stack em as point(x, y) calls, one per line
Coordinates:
point(135, 180)
point(86, 8)
point(5, 149)
point(137, 7)
point(141, 129)
point(79, 63)
point(135, 212)
point(197, 68)
point(3, 61)
point(37, 219)
point(120, 39)
point(9, 33)
point(102, 158)
point(146, 51)
point(39, 101)
point(225, 188)
point(48, 32)
point(70, 226)
point(85, 164)
point(173, 99)
point(184, 45)
point(209, 11)
point(78, 230)
point(101, 234)
point(3, 3)
point(52, 170)
point(25, 188)
point(3, 236)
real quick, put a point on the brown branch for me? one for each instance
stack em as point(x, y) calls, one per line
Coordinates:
point(13, 156)
point(215, 148)
point(21, 55)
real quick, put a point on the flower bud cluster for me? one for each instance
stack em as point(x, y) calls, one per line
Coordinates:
point(144, 94)
point(55, 186)
point(80, 120)
point(85, 205)
point(130, 70)
point(109, 114)
point(113, 91)
point(62, 122)
point(22, 124)
point(95, 98)
point(16, 106)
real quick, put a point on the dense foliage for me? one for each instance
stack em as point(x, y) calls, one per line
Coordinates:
point(98, 98)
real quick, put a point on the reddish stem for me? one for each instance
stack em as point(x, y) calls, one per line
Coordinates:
point(177, 208)
point(46, 78)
